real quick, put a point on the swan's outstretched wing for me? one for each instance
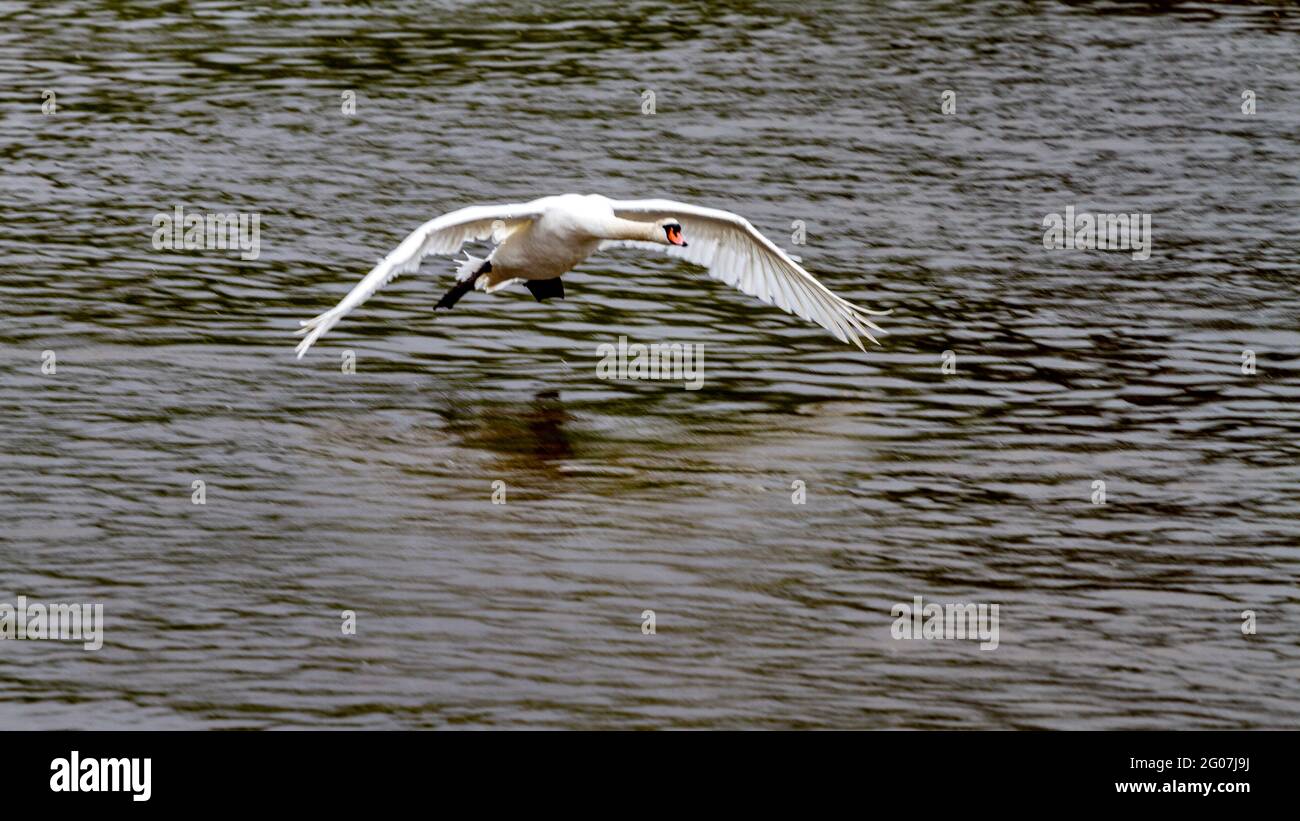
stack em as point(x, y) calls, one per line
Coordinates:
point(736, 253)
point(442, 235)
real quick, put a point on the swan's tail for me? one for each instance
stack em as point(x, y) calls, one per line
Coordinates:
point(467, 274)
point(471, 267)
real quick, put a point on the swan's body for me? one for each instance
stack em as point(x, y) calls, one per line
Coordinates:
point(539, 241)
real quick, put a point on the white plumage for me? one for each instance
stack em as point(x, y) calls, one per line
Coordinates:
point(542, 239)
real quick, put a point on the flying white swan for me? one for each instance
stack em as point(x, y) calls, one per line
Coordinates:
point(540, 240)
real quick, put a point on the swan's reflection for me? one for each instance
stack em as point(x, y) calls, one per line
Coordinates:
point(524, 436)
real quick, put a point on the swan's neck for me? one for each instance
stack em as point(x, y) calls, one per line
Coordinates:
point(619, 228)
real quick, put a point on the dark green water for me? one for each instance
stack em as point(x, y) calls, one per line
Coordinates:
point(371, 491)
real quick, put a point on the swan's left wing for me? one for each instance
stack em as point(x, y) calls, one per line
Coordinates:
point(736, 253)
point(441, 235)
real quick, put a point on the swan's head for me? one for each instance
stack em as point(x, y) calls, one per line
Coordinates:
point(672, 230)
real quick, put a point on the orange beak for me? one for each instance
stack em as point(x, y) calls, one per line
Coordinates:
point(675, 237)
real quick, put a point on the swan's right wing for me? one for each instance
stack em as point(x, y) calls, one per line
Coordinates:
point(441, 235)
point(735, 252)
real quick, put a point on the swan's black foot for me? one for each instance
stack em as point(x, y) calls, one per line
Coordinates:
point(461, 288)
point(544, 289)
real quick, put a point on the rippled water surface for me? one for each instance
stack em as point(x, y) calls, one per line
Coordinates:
point(372, 491)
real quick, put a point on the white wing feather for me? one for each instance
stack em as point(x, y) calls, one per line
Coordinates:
point(442, 235)
point(736, 253)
